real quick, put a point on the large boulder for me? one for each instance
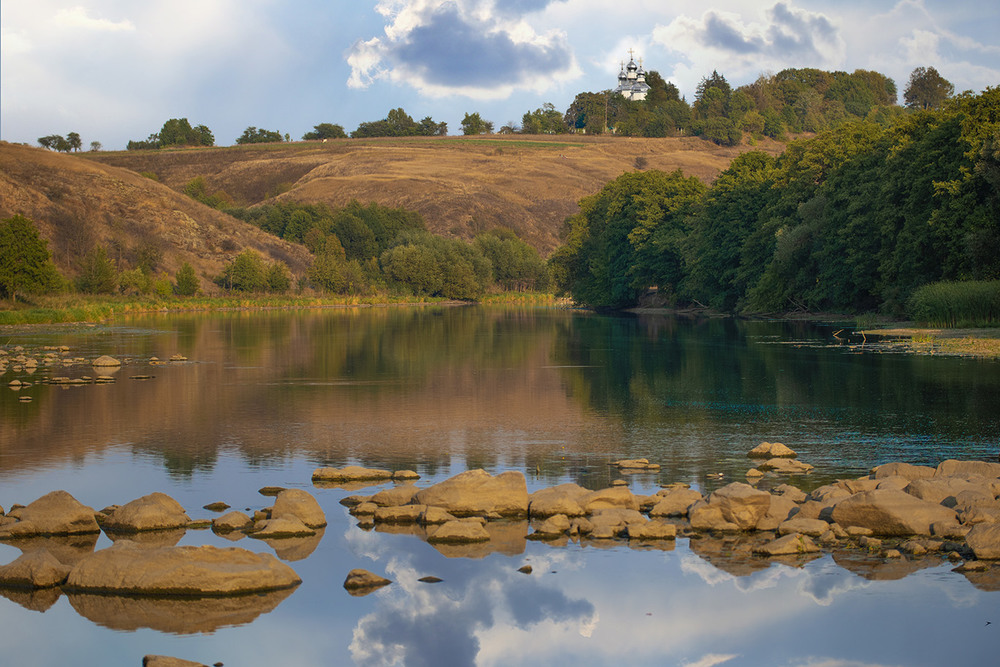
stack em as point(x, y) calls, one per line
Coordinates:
point(397, 495)
point(674, 502)
point(705, 516)
point(231, 521)
point(563, 499)
point(785, 466)
point(771, 450)
point(617, 497)
point(953, 468)
point(652, 530)
point(943, 490)
point(890, 512)
point(810, 527)
point(55, 513)
point(984, 540)
point(781, 509)
point(186, 570)
point(301, 505)
point(156, 511)
point(460, 531)
point(905, 470)
point(477, 493)
point(286, 525)
point(741, 504)
point(34, 569)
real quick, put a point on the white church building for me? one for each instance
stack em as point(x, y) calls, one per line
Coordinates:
point(632, 80)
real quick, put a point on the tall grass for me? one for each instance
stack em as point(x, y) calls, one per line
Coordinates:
point(957, 304)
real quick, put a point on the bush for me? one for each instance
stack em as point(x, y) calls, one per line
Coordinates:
point(98, 274)
point(246, 273)
point(187, 282)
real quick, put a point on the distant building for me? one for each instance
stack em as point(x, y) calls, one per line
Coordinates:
point(632, 80)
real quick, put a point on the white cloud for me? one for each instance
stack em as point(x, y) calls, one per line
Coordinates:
point(76, 18)
point(711, 660)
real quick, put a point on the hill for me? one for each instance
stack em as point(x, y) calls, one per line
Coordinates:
point(461, 185)
point(78, 204)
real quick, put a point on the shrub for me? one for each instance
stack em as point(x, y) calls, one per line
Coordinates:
point(187, 282)
point(98, 274)
point(957, 303)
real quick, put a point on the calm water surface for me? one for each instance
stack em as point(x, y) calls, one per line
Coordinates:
point(265, 398)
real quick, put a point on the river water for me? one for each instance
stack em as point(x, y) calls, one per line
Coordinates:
point(263, 398)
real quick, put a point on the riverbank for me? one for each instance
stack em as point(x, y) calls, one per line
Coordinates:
point(64, 309)
point(980, 343)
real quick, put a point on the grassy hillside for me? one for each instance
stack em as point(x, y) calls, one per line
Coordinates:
point(78, 204)
point(461, 185)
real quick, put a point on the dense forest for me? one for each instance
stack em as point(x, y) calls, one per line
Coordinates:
point(852, 220)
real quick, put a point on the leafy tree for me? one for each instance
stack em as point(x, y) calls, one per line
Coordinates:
point(73, 139)
point(927, 89)
point(55, 142)
point(25, 263)
point(515, 264)
point(187, 281)
point(325, 131)
point(98, 274)
point(473, 123)
point(246, 273)
point(278, 278)
point(95, 146)
point(545, 120)
point(197, 189)
point(398, 123)
point(252, 135)
point(175, 132)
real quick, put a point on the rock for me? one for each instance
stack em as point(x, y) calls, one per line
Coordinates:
point(781, 509)
point(754, 473)
point(904, 470)
point(435, 516)
point(364, 509)
point(404, 475)
point(652, 530)
point(984, 540)
point(405, 514)
point(616, 497)
point(430, 579)
point(300, 504)
point(286, 525)
point(810, 527)
point(888, 512)
point(636, 464)
point(398, 495)
point(216, 507)
point(897, 482)
point(675, 502)
point(231, 521)
point(459, 531)
point(891, 553)
point(553, 527)
point(362, 582)
point(953, 468)
point(563, 499)
point(525, 569)
point(771, 450)
point(105, 361)
point(349, 474)
point(792, 493)
point(55, 513)
point(34, 569)
point(186, 570)
point(829, 493)
point(789, 545)
point(741, 504)
point(167, 661)
point(785, 466)
point(705, 516)
point(156, 511)
point(943, 490)
point(619, 482)
point(476, 492)
point(270, 491)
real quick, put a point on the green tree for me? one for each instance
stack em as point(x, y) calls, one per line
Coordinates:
point(516, 265)
point(252, 135)
point(473, 123)
point(95, 146)
point(325, 131)
point(73, 139)
point(927, 89)
point(98, 274)
point(25, 263)
point(278, 278)
point(545, 120)
point(187, 281)
point(246, 273)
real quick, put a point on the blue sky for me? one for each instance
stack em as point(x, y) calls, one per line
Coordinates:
point(114, 70)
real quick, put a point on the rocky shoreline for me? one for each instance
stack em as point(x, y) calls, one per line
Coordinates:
point(894, 521)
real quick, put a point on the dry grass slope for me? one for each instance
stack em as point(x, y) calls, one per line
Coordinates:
point(78, 204)
point(461, 185)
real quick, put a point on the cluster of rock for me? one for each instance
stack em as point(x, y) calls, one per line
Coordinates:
point(144, 559)
point(898, 508)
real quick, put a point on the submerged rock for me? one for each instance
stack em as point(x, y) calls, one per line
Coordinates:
point(105, 361)
point(771, 450)
point(349, 474)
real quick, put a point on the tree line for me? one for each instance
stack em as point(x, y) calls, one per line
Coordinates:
point(855, 219)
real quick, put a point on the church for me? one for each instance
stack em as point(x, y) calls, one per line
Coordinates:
point(632, 80)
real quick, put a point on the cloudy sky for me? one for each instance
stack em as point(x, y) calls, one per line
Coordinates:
point(114, 70)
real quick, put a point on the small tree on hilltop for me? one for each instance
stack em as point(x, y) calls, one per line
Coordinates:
point(25, 262)
point(325, 131)
point(473, 123)
point(927, 89)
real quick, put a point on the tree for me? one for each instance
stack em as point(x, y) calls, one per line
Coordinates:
point(473, 123)
point(98, 274)
point(25, 263)
point(927, 89)
point(252, 135)
point(95, 146)
point(73, 139)
point(246, 273)
point(278, 278)
point(187, 281)
point(56, 142)
point(325, 131)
